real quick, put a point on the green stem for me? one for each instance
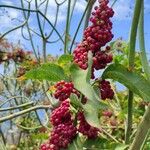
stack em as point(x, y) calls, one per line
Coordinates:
point(88, 14)
point(145, 140)
point(131, 59)
point(14, 115)
point(67, 28)
point(16, 107)
point(144, 60)
point(38, 20)
point(129, 118)
point(88, 4)
point(30, 36)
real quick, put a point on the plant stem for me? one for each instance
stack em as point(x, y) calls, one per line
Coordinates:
point(88, 4)
point(145, 140)
point(144, 60)
point(14, 115)
point(67, 28)
point(129, 117)
point(141, 131)
point(16, 107)
point(88, 14)
point(131, 59)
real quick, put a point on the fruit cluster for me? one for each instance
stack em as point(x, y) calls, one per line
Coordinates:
point(85, 128)
point(64, 129)
point(64, 90)
point(95, 37)
point(106, 90)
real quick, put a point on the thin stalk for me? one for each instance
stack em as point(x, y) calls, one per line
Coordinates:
point(14, 115)
point(67, 28)
point(131, 59)
point(145, 140)
point(38, 20)
point(46, 8)
point(16, 107)
point(13, 29)
point(3, 138)
point(30, 35)
point(44, 50)
point(129, 118)
point(31, 10)
point(79, 25)
point(144, 127)
point(88, 14)
point(144, 60)
point(114, 3)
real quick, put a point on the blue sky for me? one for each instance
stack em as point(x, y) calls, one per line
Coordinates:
point(121, 22)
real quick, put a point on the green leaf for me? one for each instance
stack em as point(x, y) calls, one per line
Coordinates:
point(81, 80)
point(133, 81)
point(65, 59)
point(39, 136)
point(96, 144)
point(75, 100)
point(91, 113)
point(76, 144)
point(121, 147)
point(50, 72)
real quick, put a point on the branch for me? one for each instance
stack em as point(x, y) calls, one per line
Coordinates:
point(31, 10)
point(88, 4)
point(16, 107)
point(88, 14)
point(2, 119)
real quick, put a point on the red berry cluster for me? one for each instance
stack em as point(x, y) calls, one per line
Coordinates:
point(95, 37)
point(63, 134)
point(61, 114)
point(106, 91)
point(47, 146)
point(64, 89)
point(85, 128)
point(64, 129)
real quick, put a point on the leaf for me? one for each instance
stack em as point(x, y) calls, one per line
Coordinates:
point(50, 72)
point(133, 81)
point(91, 114)
point(75, 100)
point(96, 144)
point(81, 80)
point(76, 144)
point(121, 147)
point(64, 59)
point(39, 136)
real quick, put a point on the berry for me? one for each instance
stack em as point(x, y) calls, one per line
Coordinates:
point(64, 90)
point(107, 113)
point(47, 146)
point(61, 114)
point(63, 134)
point(85, 128)
point(106, 91)
point(95, 37)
